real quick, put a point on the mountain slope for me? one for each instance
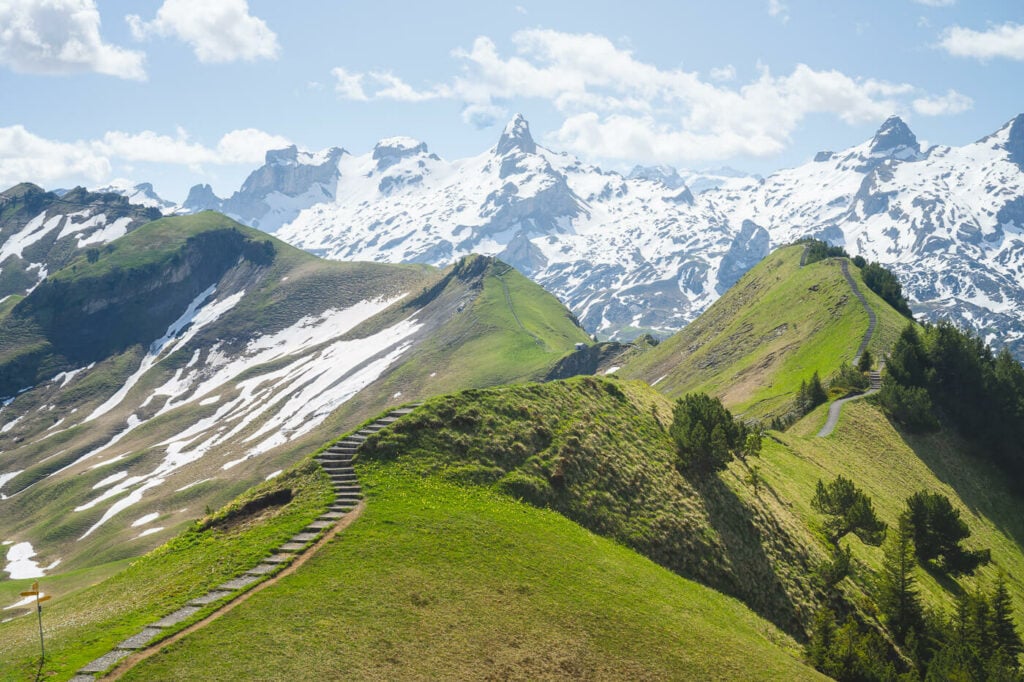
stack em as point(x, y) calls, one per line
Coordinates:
point(776, 327)
point(195, 357)
point(456, 583)
point(644, 252)
point(41, 232)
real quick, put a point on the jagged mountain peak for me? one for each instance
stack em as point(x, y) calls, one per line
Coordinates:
point(292, 155)
point(1015, 140)
point(893, 135)
point(666, 175)
point(516, 137)
point(391, 150)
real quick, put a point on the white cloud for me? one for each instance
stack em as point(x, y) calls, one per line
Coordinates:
point(379, 85)
point(28, 157)
point(248, 145)
point(349, 85)
point(56, 37)
point(1006, 40)
point(723, 73)
point(616, 107)
point(217, 30)
point(942, 105)
point(483, 115)
point(25, 156)
point(779, 10)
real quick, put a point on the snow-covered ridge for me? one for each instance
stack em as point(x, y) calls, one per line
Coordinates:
point(649, 251)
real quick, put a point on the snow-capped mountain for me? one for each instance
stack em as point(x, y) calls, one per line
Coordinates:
point(646, 252)
point(626, 254)
point(40, 231)
point(947, 220)
point(140, 194)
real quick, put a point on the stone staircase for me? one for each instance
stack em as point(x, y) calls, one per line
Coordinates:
point(875, 379)
point(336, 461)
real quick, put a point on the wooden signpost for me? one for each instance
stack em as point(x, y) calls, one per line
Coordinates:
point(34, 592)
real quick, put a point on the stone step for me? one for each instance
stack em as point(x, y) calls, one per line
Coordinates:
point(105, 661)
point(262, 569)
point(140, 639)
point(292, 547)
point(184, 613)
point(354, 489)
point(281, 557)
point(318, 526)
point(330, 516)
point(239, 582)
point(209, 598)
point(305, 537)
point(341, 507)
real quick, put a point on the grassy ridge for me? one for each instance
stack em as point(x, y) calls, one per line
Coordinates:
point(90, 621)
point(775, 328)
point(440, 581)
point(890, 466)
point(598, 451)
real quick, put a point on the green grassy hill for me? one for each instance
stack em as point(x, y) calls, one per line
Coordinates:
point(777, 326)
point(442, 581)
point(479, 323)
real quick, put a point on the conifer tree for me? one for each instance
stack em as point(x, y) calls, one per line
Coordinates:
point(898, 598)
point(1004, 633)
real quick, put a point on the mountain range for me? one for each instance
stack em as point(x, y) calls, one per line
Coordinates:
point(649, 250)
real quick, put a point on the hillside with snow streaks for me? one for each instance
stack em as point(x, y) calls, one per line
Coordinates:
point(40, 232)
point(645, 252)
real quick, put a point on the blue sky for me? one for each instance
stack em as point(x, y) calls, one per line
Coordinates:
point(183, 91)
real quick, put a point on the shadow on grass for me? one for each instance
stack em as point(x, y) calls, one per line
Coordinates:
point(753, 578)
point(981, 486)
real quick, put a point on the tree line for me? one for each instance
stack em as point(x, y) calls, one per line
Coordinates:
point(941, 370)
point(877, 277)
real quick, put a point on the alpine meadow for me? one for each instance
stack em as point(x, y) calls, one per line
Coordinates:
point(562, 395)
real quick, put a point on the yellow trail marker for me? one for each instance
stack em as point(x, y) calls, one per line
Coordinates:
point(44, 598)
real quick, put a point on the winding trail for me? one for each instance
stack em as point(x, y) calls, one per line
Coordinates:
point(875, 376)
point(348, 504)
point(872, 318)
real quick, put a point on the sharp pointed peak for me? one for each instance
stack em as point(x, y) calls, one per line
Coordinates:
point(893, 134)
point(516, 137)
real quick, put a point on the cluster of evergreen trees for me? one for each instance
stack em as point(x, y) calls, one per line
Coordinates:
point(977, 642)
point(877, 277)
point(706, 435)
point(979, 392)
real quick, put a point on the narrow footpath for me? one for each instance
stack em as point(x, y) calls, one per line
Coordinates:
point(875, 376)
point(348, 504)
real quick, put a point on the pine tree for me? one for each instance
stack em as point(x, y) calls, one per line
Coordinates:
point(1004, 633)
point(898, 598)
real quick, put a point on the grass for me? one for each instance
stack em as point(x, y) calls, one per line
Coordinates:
point(85, 620)
point(774, 329)
point(597, 451)
point(889, 466)
point(440, 581)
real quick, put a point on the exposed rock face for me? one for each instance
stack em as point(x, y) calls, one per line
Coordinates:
point(202, 198)
point(647, 252)
point(747, 249)
point(516, 138)
point(275, 193)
